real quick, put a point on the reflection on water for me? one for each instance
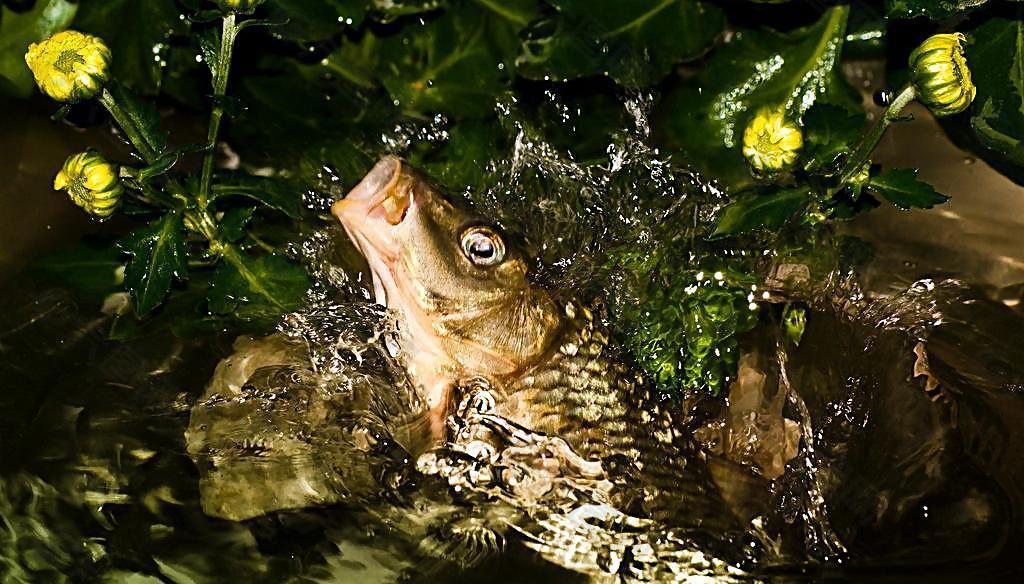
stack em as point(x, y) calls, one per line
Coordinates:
point(887, 443)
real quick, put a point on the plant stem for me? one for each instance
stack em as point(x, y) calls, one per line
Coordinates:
point(127, 125)
point(220, 83)
point(870, 140)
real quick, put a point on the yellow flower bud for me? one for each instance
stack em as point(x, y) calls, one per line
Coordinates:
point(69, 66)
point(940, 76)
point(771, 142)
point(239, 6)
point(91, 182)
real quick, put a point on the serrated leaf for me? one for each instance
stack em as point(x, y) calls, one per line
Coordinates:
point(270, 192)
point(167, 160)
point(996, 57)
point(136, 32)
point(144, 115)
point(706, 116)
point(257, 288)
point(636, 43)
point(764, 211)
point(19, 29)
point(209, 46)
point(232, 224)
point(901, 188)
point(158, 257)
point(829, 132)
point(455, 64)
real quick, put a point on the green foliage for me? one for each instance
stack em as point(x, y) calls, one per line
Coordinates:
point(158, 257)
point(138, 31)
point(901, 188)
point(142, 114)
point(682, 324)
point(19, 30)
point(90, 268)
point(455, 64)
point(934, 9)
point(258, 289)
point(761, 211)
point(635, 43)
point(997, 118)
point(460, 87)
point(705, 117)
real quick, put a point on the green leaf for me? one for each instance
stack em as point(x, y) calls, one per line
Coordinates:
point(209, 46)
point(88, 268)
point(767, 211)
point(996, 59)
point(901, 188)
point(271, 192)
point(636, 43)
point(158, 257)
point(933, 9)
point(144, 115)
point(316, 20)
point(829, 132)
point(705, 117)
point(455, 64)
point(232, 224)
point(167, 160)
point(257, 289)
point(136, 32)
point(19, 30)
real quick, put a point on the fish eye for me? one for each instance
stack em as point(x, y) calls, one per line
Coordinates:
point(483, 246)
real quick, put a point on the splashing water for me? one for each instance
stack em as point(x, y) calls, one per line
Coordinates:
point(887, 440)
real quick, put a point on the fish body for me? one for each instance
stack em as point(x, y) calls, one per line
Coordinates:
point(470, 311)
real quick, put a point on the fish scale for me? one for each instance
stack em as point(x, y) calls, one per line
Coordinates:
point(583, 393)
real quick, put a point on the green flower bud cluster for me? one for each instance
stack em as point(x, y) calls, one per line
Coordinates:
point(940, 76)
point(91, 182)
point(69, 66)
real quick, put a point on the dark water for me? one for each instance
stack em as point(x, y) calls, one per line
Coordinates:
point(906, 394)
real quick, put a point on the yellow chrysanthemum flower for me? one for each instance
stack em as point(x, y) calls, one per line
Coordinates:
point(940, 76)
point(771, 142)
point(239, 6)
point(69, 66)
point(92, 183)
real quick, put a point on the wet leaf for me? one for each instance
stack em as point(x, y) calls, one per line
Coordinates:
point(901, 188)
point(313, 21)
point(455, 64)
point(19, 30)
point(234, 222)
point(271, 192)
point(136, 32)
point(829, 132)
point(996, 58)
point(144, 115)
point(158, 257)
point(257, 288)
point(935, 10)
point(765, 211)
point(90, 269)
point(706, 116)
point(636, 43)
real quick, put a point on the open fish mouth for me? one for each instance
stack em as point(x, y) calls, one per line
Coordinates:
point(371, 213)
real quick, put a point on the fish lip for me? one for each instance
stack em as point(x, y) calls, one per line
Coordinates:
point(371, 226)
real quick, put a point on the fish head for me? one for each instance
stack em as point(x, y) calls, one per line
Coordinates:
point(459, 283)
